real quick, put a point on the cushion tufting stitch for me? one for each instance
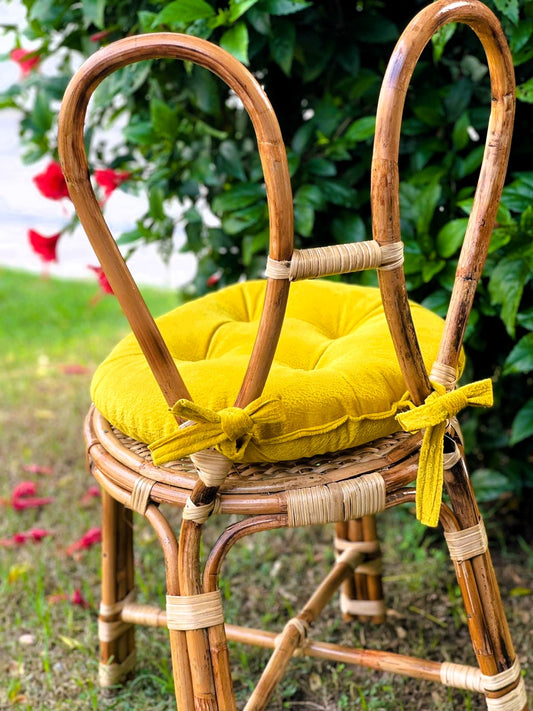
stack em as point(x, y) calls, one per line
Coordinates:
point(335, 370)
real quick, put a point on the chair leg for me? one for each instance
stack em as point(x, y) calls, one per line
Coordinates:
point(487, 622)
point(362, 594)
point(117, 641)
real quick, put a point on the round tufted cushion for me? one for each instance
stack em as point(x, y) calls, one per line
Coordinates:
point(335, 370)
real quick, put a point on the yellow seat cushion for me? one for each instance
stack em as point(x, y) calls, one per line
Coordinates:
point(335, 370)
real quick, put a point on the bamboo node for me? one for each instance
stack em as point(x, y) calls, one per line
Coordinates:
point(115, 608)
point(503, 679)
point(342, 544)
point(113, 673)
point(194, 612)
point(201, 512)
point(366, 608)
point(514, 700)
point(140, 495)
point(336, 259)
point(460, 676)
point(338, 501)
point(450, 459)
point(109, 631)
point(212, 466)
point(467, 543)
point(444, 374)
point(303, 629)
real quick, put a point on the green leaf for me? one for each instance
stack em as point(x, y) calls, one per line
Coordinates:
point(229, 160)
point(506, 285)
point(426, 206)
point(93, 12)
point(164, 119)
point(286, 7)
point(509, 8)
point(361, 129)
point(205, 91)
point(238, 197)
point(236, 222)
point(304, 218)
point(129, 237)
point(451, 236)
point(460, 135)
point(282, 42)
point(322, 166)
point(183, 12)
point(349, 228)
point(524, 91)
point(522, 424)
point(237, 8)
point(235, 40)
point(489, 484)
point(310, 195)
point(520, 359)
point(440, 39)
point(337, 192)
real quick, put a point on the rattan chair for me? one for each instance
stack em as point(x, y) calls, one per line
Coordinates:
point(346, 488)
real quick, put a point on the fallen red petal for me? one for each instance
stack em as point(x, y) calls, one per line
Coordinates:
point(78, 599)
point(93, 535)
point(37, 469)
point(24, 488)
point(74, 369)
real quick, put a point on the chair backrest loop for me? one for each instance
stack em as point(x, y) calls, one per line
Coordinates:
point(279, 196)
point(385, 179)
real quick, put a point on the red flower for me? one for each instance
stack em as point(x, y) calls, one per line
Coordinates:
point(44, 247)
point(26, 60)
point(93, 535)
point(35, 534)
point(99, 35)
point(93, 492)
point(22, 497)
point(214, 279)
point(78, 599)
point(102, 279)
point(51, 182)
point(37, 469)
point(110, 179)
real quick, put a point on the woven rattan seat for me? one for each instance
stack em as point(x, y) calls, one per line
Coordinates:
point(245, 482)
point(346, 488)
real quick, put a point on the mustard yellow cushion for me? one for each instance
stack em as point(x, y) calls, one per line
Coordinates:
point(335, 369)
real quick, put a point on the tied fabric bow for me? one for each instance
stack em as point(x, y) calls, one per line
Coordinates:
point(229, 429)
point(432, 416)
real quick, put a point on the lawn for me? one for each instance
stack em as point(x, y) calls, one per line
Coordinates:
point(52, 334)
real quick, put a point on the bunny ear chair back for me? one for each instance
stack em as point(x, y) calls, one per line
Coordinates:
point(292, 409)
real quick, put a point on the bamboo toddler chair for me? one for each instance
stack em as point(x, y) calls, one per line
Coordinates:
point(347, 487)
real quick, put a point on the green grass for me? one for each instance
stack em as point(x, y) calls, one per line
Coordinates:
point(49, 650)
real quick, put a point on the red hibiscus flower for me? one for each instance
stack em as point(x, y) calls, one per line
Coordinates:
point(102, 279)
point(26, 60)
point(110, 179)
point(44, 247)
point(51, 182)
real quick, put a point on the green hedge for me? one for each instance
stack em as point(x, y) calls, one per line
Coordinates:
point(186, 141)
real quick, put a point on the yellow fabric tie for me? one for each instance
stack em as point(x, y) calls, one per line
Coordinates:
point(439, 407)
point(228, 430)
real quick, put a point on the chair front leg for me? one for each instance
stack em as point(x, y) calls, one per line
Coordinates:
point(117, 641)
point(489, 630)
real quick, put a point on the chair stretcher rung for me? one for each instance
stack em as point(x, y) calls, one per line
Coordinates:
point(465, 677)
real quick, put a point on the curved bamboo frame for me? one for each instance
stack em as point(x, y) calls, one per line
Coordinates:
point(200, 657)
point(279, 196)
point(385, 180)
